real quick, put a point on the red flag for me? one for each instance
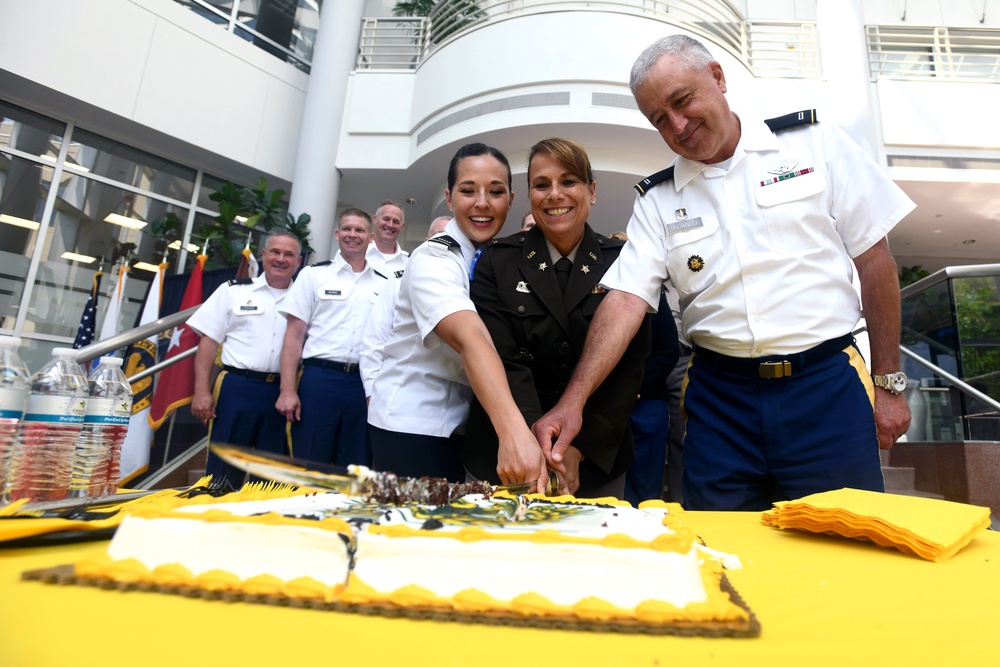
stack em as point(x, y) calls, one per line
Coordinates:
point(175, 386)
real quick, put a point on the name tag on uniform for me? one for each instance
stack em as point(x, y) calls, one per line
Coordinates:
point(248, 308)
point(684, 225)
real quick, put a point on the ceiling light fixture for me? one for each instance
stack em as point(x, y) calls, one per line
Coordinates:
point(176, 245)
point(146, 266)
point(121, 220)
point(76, 257)
point(18, 222)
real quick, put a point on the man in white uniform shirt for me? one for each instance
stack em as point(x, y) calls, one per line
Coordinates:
point(380, 320)
point(242, 316)
point(756, 224)
point(384, 254)
point(326, 311)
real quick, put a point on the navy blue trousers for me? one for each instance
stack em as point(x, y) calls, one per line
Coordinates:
point(753, 441)
point(245, 415)
point(650, 422)
point(414, 455)
point(334, 424)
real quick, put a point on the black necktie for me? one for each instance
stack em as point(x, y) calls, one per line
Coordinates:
point(563, 267)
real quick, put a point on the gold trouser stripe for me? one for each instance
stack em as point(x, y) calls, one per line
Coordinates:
point(216, 388)
point(858, 362)
point(684, 386)
point(288, 424)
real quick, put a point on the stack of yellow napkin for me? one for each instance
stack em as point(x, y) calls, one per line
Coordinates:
point(929, 528)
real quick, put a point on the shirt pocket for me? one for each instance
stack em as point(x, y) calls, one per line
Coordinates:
point(694, 256)
point(790, 210)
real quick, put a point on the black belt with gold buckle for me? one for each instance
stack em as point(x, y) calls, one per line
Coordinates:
point(253, 375)
point(775, 367)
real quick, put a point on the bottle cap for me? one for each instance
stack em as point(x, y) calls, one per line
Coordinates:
point(10, 341)
point(115, 362)
point(64, 353)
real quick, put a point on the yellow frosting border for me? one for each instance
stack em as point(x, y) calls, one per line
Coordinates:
point(716, 608)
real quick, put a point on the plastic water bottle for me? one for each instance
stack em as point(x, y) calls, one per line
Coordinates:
point(14, 385)
point(96, 465)
point(51, 426)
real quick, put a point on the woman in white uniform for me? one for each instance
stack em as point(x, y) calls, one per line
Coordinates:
point(439, 351)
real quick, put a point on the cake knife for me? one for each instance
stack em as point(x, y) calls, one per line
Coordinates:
point(359, 480)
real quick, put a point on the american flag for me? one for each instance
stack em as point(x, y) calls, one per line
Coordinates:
point(85, 333)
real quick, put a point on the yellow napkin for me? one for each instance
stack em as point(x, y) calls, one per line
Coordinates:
point(929, 528)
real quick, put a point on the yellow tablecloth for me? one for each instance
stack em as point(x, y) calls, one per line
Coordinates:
point(820, 600)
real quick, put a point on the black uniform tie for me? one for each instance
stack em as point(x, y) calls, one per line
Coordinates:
point(563, 267)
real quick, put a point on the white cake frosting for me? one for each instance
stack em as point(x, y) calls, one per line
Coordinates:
point(505, 555)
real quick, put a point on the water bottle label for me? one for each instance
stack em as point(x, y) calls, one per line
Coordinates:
point(56, 409)
point(108, 411)
point(12, 402)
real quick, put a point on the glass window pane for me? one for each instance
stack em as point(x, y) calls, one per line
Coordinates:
point(209, 186)
point(133, 167)
point(93, 222)
point(26, 131)
point(23, 187)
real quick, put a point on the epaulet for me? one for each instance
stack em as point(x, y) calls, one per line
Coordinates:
point(444, 240)
point(807, 117)
point(610, 242)
point(241, 281)
point(326, 263)
point(646, 184)
point(398, 274)
point(380, 274)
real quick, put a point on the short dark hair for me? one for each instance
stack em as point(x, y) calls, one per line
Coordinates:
point(569, 153)
point(360, 213)
point(474, 150)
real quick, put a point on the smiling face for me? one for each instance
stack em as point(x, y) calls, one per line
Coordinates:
point(353, 237)
point(480, 198)
point(688, 108)
point(281, 258)
point(560, 200)
point(388, 224)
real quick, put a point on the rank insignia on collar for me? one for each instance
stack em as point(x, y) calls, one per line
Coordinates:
point(523, 287)
point(585, 269)
point(543, 266)
point(681, 213)
point(696, 263)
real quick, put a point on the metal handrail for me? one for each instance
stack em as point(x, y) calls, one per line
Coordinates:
point(945, 375)
point(125, 338)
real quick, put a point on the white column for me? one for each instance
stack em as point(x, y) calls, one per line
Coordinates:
point(315, 179)
point(850, 101)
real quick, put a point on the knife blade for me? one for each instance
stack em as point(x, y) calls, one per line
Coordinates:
point(352, 480)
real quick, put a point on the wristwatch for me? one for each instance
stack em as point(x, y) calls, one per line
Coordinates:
point(894, 382)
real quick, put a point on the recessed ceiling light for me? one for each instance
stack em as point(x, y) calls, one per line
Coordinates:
point(75, 257)
point(176, 245)
point(121, 220)
point(146, 266)
point(18, 222)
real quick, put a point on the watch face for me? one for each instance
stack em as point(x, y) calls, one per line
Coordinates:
point(897, 381)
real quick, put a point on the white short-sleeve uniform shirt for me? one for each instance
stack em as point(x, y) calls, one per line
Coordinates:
point(760, 253)
point(421, 387)
point(335, 302)
point(386, 264)
point(244, 318)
